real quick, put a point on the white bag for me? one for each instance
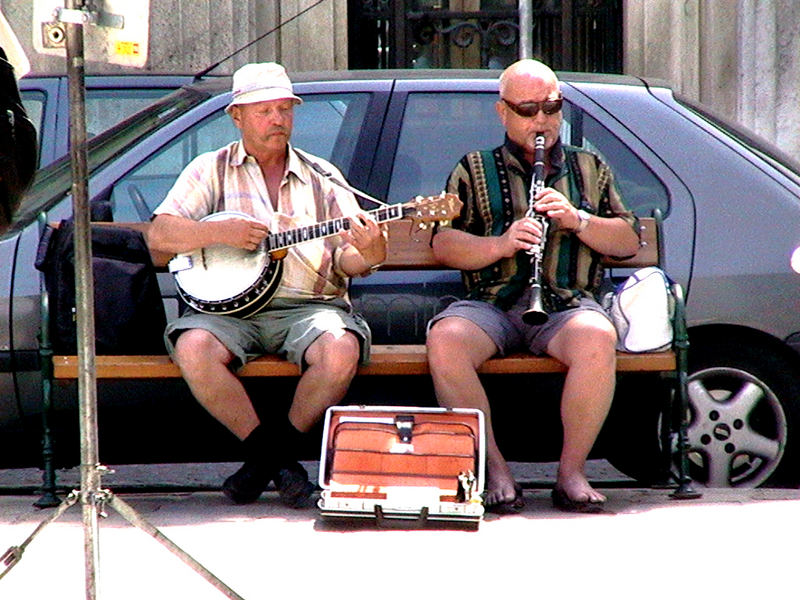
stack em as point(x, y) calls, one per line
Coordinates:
point(641, 308)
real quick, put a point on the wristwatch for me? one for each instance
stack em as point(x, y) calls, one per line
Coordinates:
point(583, 221)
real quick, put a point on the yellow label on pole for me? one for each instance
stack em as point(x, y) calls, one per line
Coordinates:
point(126, 48)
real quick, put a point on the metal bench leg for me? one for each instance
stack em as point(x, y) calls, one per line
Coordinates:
point(685, 491)
point(48, 498)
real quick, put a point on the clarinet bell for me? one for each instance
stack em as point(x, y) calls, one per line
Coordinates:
point(534, 316)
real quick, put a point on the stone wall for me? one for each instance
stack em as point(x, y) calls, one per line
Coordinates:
point(739, 57)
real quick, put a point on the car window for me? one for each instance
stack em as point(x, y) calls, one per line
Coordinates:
point(641, 189)
point(137, 193)
point(326, 125)
point(438, 129)
point(34, 106)
point(104, 108)
point(107, 107)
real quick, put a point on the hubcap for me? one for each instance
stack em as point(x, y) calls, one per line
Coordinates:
point(737, 429)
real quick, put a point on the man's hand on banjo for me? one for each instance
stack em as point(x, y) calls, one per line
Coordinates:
point(368, 238)
point(241, 233)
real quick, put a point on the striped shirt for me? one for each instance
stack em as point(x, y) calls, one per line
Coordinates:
point(229, 179)
point(494, 187)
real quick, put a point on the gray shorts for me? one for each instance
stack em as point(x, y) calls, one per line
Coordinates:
point(287, 328)
point(506, 328)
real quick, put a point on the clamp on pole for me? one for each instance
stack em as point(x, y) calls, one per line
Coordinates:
point(89, 16)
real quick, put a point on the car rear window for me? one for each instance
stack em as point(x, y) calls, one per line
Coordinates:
point(326, 125)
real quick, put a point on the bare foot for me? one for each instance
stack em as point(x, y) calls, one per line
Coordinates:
point(501, 489)
point(577, 489)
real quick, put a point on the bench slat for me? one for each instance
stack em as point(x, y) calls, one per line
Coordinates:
point(386, 360)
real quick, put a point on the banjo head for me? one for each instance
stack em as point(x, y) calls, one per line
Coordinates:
point(227, 280)
point(220, 272)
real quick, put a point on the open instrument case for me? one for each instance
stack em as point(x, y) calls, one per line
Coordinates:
point(411, 464)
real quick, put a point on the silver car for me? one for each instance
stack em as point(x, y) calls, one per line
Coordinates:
point(731, 205)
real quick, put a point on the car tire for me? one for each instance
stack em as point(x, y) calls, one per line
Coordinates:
point(744, 407)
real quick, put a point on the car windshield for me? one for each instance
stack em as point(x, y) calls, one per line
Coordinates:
point(53, 182)
point(782, 161)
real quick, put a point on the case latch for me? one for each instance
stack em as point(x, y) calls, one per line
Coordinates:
point(405, 427)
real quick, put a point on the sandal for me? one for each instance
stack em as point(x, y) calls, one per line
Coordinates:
point(563, 502)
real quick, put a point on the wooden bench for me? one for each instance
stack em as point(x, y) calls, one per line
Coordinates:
point(409, 251)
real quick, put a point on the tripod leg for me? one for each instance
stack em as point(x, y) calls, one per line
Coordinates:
point(14, 554)
point(129, 514)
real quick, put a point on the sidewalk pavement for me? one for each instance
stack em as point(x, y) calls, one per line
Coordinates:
point(731, 544)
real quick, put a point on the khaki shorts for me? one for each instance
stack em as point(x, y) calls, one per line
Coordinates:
point(286, 328)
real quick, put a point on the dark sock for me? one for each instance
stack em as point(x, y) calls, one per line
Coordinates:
point(259, 451)
point(292, 444)
point(273, 446)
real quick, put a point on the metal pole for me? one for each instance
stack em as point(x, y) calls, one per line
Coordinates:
point(525, 29)
point(84, 295)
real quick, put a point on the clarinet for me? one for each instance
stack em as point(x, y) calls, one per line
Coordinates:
point(536, 315)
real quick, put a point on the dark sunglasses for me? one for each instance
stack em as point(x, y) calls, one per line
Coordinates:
point(531, 109)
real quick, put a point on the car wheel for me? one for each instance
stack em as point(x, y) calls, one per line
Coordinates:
point(743, 403)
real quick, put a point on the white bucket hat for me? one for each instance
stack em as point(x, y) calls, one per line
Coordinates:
point(259, 82)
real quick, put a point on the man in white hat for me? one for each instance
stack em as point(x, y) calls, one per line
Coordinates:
point(309, 319)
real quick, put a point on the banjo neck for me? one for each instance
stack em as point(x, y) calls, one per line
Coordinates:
point(285, 239)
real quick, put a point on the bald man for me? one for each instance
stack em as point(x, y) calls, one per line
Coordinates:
point(489, 242)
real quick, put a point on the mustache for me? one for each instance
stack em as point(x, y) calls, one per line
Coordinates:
point(278, 130)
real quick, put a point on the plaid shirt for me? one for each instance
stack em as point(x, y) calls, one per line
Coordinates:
point(495, 195)
point(229, 179)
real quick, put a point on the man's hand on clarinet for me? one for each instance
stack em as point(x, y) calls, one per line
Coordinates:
point(556, 207)
point(522, 235)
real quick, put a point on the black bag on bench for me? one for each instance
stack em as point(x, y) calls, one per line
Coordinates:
point(129, 312)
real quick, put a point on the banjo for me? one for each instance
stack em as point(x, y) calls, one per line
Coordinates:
point(224, 280)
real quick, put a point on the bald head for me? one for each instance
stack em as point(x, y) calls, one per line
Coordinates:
point(527, 71)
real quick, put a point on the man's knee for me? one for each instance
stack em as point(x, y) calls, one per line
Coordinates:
point(197, 347)
point(444, 336)
point(336, 353)
point(603, 337)
point(587, 337)
point(454, 340)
